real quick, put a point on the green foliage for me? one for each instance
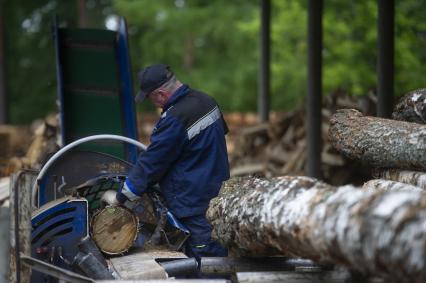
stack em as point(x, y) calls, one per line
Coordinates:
point(410, 42)
point(350, 46)
point(288, 54)
point(30, 56)
point(213, 46)
point(221, 37)
point(29, 60)
point(202, 41)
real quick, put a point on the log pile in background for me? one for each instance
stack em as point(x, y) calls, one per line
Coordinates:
point(279, 148)
point(14, 141)
point(28, 147)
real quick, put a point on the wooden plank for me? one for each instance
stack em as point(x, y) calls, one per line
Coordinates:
point(248, 169)
point(142, 265)
point(4, 244)
point(20, 224)
point(4, 189)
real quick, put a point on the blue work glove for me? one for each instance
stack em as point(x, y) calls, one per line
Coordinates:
point(127, 192)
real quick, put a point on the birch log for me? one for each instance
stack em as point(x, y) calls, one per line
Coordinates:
point(379, 142)
point(382, 184)
point(411, 107)
point(377, 231)
point(414, 178)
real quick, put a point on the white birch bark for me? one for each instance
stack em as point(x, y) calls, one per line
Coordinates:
point(414, 178)
point(381, 184)
point(373, 231)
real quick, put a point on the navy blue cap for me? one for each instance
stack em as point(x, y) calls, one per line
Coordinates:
point(151, 78)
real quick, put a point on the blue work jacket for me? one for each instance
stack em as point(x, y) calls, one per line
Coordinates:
point(187, 155)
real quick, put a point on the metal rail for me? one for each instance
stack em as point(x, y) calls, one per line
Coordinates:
point(52, 270)
point(72, 145)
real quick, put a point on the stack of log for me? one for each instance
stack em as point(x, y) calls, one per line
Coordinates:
point(279, 147)
point(27, 147)
point(13, 142)
point(379, 228)
point(396, 147)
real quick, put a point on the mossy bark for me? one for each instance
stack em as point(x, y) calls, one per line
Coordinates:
point(379, 142)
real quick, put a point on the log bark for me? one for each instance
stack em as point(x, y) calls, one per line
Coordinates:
point(114, 229)
point(373, 231)
point(411, 107)
point(379, 142)
point(414, 178)
point(381, 184)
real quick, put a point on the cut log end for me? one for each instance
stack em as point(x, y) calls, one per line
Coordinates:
point(114, 229)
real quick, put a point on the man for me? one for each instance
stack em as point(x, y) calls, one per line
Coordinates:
point(187, 155)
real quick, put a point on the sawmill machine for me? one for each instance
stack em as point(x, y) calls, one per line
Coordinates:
point(98, 135)
point(61, 227)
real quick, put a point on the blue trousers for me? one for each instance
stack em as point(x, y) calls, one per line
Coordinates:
point(200, 243)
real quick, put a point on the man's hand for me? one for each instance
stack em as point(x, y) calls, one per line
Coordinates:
point(110, 197)
point(121, 197)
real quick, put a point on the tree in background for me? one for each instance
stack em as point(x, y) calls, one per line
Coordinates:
point(30, 56)
point(202, 40)
point(213, 46)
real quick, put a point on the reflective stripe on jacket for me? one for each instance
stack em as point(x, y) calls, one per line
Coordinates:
point(187, 155)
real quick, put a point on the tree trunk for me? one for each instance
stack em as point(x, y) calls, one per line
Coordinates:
point(379, 142)
point(377, 231)
point(114, 229)
point(188, 55)
point(3, 94)
point(381, 184)
point(414, 178)
point(83, 18)
point(412, 107)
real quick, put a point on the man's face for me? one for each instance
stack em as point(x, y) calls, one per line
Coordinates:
point(158, 97)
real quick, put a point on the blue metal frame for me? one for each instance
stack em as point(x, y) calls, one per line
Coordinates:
point(59, 76)
point(63, 225)
point(126, 89)
point(128, 110)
